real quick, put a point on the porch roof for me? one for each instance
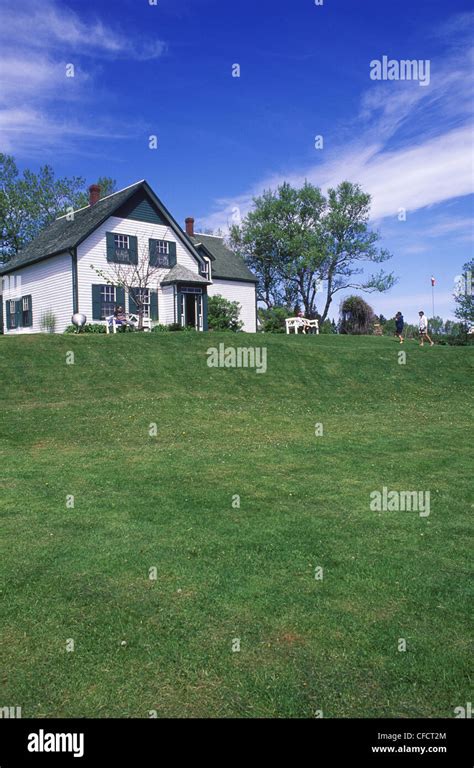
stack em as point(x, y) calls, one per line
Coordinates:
point(180, 274)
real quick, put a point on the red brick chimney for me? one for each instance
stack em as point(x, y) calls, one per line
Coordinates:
point(94, 194)
point(189, 226)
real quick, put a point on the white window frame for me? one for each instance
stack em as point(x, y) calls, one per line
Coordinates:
point(122, 241)
point(25, 307)
point(205, 270)
point(13, 314)
point(146, 302)
point(106, 300)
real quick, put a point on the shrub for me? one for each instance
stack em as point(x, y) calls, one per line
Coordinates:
point(223, 315)
point(48, 321)
point(159, 328)
point(87, 328)
point(456, 340)
point(329, 326)
point(273, 320)
point(175, 327)
point(356, 316)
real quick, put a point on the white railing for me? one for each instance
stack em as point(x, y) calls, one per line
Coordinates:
point(301, 322)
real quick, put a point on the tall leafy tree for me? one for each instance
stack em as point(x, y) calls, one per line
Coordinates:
point(350, 242)
point(465, 298)
point(30, 201)
point(294, 239)
point(281, 241)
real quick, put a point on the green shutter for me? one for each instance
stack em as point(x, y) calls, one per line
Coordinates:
point(19, 313)
point(152, 252)
point(132, 304)
point(205, 326)
point(96, 302)
point(110, 246)
point(172, 253)
point(154, 305)
point(133, 252)
point(120, 296)
point(7, 315)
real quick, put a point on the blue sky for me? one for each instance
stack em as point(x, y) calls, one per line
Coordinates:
point(166, 70)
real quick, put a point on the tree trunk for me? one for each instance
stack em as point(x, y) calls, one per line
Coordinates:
point(328, 299)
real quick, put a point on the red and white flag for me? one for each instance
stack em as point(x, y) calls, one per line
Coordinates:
point(433, 281)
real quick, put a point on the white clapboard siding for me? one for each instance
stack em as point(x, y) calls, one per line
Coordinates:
point(94, 251)
point(49, 283)
point(166, 305)
point(244, 294)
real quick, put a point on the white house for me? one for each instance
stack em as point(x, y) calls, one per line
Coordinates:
point(53, 275)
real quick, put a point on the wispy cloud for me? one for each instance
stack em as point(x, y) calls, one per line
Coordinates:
point(38, 40)
point(413, 144)
point(49, 25)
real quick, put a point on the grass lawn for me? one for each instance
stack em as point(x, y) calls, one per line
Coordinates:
point(226, 573)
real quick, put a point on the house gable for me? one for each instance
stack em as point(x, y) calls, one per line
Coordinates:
point(140, 208)
point(66, 233)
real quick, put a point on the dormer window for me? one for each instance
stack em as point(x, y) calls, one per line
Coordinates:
point(204, 270)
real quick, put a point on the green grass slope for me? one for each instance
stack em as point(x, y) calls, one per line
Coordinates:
point(224, 573)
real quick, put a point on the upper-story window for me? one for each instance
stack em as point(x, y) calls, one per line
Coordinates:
point(122, 241)
point(204, 270)
point(162, 253)
point(121, 248)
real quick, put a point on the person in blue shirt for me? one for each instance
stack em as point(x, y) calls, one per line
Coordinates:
point(399, 323)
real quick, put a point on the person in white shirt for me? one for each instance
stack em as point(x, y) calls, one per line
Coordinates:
point(423, 325)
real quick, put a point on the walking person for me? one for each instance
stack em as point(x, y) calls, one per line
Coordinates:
point(399, 324)
point(423, 325)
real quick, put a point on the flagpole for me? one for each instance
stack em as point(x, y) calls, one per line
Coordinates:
point(432, 295)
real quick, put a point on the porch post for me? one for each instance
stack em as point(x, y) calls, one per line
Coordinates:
point(205, 325)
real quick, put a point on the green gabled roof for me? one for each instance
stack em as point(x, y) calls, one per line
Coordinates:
point(226, 265)
point(63, 234)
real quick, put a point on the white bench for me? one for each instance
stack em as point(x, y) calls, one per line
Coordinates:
point(301, 322)
point(132, 319)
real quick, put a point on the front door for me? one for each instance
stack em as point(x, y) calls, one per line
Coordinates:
point(190, 308)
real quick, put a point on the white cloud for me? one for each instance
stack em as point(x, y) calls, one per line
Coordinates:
point(38, 40)
point(413, 148)
point(49, 25)
point(464, 226)
point(411, 178)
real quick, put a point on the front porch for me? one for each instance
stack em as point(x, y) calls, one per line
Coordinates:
point(190, 297)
